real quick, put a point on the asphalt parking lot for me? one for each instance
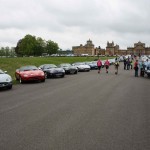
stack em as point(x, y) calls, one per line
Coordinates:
point(87, 111)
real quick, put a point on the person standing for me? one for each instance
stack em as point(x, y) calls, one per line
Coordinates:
point(136, 68)
point(142, 68)
point(99, 65)
point(116, 66)
point(125, 63)
point(107, 64)
point(146, 63)
point(128, 63)
point(131, 63)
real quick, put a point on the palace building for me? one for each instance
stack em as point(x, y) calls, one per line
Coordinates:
point(111, 49)
point(88, 48)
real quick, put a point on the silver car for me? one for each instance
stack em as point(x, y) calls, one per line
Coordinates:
point(82, 66)
point(5, 80)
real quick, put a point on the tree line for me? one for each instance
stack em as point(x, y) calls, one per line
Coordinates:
point(35, 46)
point(31, 46)
point(7, 51)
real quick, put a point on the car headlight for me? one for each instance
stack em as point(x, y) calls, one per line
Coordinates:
point(9, 79)
point(42, 74)
point(25, 75)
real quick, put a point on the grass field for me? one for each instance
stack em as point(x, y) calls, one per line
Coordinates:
point(11, 64)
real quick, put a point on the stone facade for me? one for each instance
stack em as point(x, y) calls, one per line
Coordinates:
point(88, 48)
point(111, 49)
point(139, 49)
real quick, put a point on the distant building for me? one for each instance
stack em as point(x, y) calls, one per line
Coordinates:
point(111, 49)
point(88, 48)
point(139, 49)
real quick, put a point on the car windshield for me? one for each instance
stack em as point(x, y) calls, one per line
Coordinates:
point(94, 62)
point(28, 68)
point(88, 63)
point(49, 66)
point(65, 65)
point(79, 63)
point(1, 72)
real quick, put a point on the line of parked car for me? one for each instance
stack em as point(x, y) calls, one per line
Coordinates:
point(33, 73)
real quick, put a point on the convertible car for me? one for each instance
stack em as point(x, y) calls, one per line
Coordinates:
point(5, 80)
point(82, 66)
point(29, 73)
point(92, 64)
point(51, 70)
point(69, 69)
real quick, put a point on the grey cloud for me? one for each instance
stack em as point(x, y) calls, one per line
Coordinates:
point(81, 19)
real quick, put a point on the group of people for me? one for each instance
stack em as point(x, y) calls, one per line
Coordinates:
point(107, 64)
point(129, 63)
point(140, 65)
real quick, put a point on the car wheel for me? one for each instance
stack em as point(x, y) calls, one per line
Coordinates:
point(20, 80)
point(16, 77)
point(76, 72)
point(43, 80)
point(45, 75)
point(10, 87)
point(62, 75)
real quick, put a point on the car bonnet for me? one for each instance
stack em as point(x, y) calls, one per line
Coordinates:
point(3, 77)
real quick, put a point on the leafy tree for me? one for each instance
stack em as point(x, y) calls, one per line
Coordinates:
point(2, 51)
point(18, 50)
point(7, 51)
point(30, 45)
point(52, 47)
point(40, 47)
point(26, 46)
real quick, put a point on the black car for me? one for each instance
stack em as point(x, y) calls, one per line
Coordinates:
point(51, 70)
point(69, 69)
point(92, 64)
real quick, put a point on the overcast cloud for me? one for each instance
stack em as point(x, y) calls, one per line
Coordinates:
point(73, 22)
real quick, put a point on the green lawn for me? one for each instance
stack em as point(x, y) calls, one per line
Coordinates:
point(11, 64)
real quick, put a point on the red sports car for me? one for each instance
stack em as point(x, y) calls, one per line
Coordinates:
point(29, 73)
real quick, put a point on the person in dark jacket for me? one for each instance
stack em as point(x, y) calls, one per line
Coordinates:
point(136, 68)
point(128, 63)
point(125, 63)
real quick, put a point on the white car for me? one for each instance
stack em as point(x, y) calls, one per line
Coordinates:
point(112, 61)
point(5, 80)
point(82, 66)
point(144, 58)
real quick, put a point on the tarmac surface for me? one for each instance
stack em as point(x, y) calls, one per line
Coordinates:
point(87, 111)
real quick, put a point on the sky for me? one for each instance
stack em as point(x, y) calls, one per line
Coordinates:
point(73, 22)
